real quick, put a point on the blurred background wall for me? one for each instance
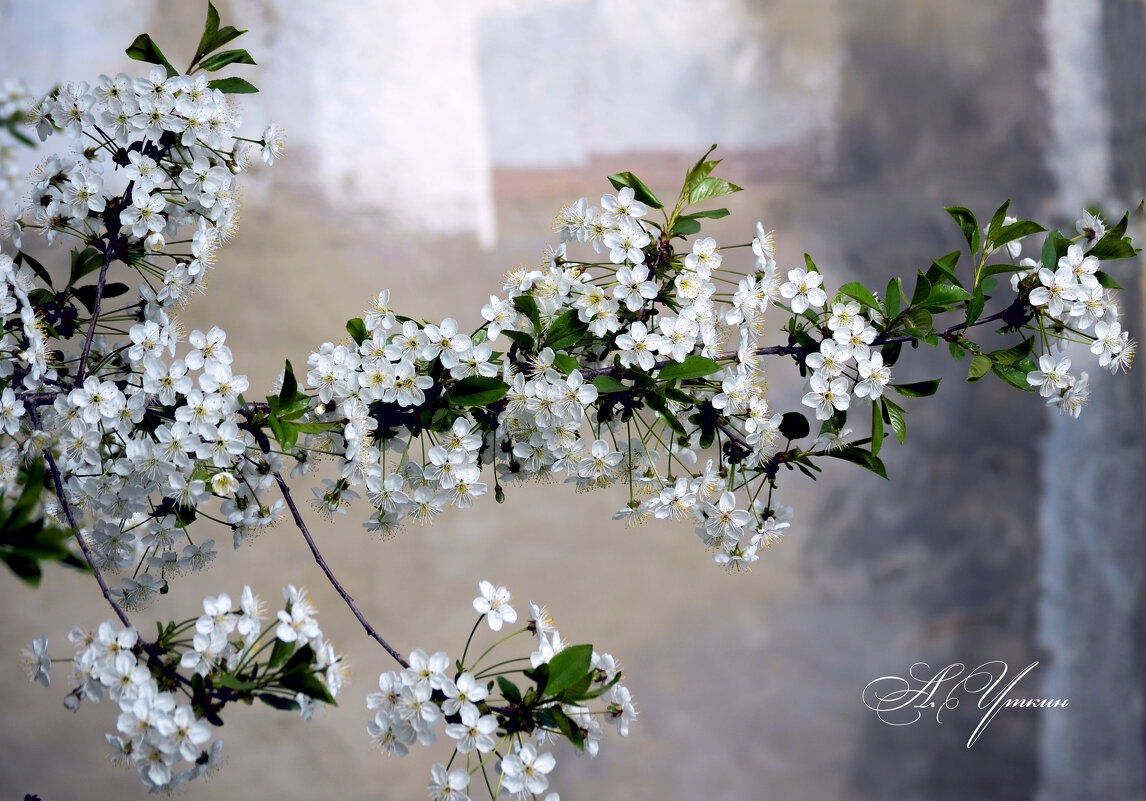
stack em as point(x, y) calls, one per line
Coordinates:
point(430, 145)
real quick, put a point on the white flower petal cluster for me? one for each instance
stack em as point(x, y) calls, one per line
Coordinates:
point(374, 390)
point(157, 730)
point(845, 364)
point(1072, 297)
point(148, 435)
point(436, 694)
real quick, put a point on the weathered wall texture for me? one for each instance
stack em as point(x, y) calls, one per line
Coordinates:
point(431, 144)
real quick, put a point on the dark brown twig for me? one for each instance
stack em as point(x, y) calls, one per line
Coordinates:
point(54, 470)
point(318, 558)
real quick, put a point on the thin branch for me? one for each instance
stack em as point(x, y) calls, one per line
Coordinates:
point(298, 521)
point(54, 470)
point(81, 368)
point(802, 350)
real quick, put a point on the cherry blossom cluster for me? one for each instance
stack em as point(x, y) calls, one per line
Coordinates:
point(486, 716)
point(846, 351)
point(164, 716)
point(549, 421)
point(553, 400)
point(143, 440)
point(1071, 301)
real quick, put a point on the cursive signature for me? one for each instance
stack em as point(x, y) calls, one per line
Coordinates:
point(899, 701)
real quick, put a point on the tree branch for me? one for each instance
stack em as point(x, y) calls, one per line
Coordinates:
point(81, 368)
point(298, 521)
point(54, 470)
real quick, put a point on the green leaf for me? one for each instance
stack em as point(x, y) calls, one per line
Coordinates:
point(210, 31)
point(30, 493)
point(220, 60)
point(279, 702)
point(87, 294)
point(980, 366)
point(565, 725)
point(289, 389)
point(1014, 376)
point(41, 297)
point(876, 429)
point(234, 683)
point(144, 49)
point(213, 37)
point(640, 191)
point(309, 684)
point(523, 340)
point(997, 269)
point(710, 188)
point(509, 690)
point(997, 221)
point(856, 290)
point(922, 289)
point(1015, 354)
point(280, 654)
point(300, 660)
point(970, 227)
point(39, 269)
point(894, 415)
point(945, 268)
point(1105, 280)
point(975, 305)
point(794, 425)
point(566, 364)
point(579, 691)
point(284, 436)
point(1017, 230)
point(1049, 256)
point(917, 389)
point(316, 428)
point(26, 569)
point(956, 351)
point(698, 172)
point(478, 390)
point(357, 330)
point(708, 214)
point(920, 319)
point(692, 367)
point(232, 86)
point(945, 295)
point(812, 268)
point(685, 226)
point(568, 666)
point(1114, 245)
point(290, 408)
point(606, 383)
point(84, 262)
point(658, 403)
point(528, 306)
point(893, 298)
point(20, 137)
point(861, 457)
point(566, 331)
